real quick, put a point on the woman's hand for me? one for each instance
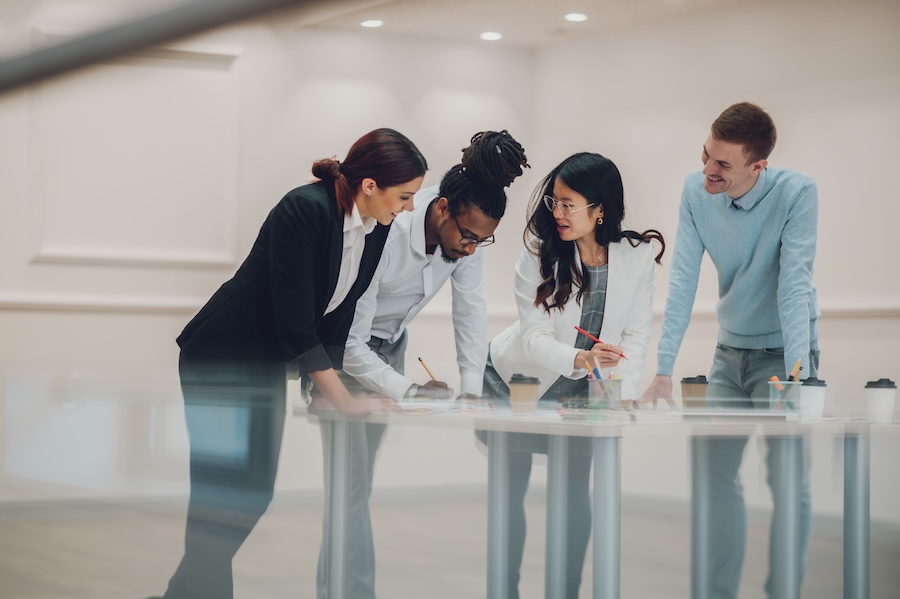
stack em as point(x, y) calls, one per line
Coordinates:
point(333, 391)
point(606, 354)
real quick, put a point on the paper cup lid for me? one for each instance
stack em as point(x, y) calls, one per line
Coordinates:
point(814, 382)
point(695, 380)
point(521, 379)
point(881, 384)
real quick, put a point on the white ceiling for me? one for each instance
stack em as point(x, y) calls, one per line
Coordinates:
point(521, 22)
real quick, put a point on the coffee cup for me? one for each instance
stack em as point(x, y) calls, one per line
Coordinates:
point(693, 391)
point(605, 393)
point(523, 393)
point(880, 396)
point(812, 399)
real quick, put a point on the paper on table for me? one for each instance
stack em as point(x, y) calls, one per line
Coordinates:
point(428, 405)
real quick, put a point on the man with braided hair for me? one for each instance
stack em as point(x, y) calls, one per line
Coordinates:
point(440, 240)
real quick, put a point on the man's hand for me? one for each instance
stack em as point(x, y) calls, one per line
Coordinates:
point(434, 390)
point(660, 388)
point(366, 405)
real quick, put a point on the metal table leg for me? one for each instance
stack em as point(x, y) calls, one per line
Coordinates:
point(498, 509)
point(786, 558)
point(856, 515)
point(607, 521)
point(700, 518)
point(557, 508)
point(339, 509)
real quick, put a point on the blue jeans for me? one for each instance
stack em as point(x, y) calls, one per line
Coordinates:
point(739, 378)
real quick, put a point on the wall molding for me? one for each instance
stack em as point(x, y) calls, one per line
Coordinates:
point(61, 254)
point(844, 308)
point(191, 55)
point(73, 302)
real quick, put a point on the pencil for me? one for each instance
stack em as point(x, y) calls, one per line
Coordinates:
point(795, 371)
point(425, 366)
point(594, 339)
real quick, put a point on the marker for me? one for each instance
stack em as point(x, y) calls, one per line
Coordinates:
point(594, 339)
point(778, 384)
point(425, 366)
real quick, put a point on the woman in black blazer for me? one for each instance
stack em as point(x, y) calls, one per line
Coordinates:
point(287, 310)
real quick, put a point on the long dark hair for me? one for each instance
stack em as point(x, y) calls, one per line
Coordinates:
point(385, 155)
point(491, 162)
point(598, 180)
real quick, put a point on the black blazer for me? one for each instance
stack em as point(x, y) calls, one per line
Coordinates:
point(272, 309)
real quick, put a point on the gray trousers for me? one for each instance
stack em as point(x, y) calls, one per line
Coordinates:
point(365, 438)
point(740, 378)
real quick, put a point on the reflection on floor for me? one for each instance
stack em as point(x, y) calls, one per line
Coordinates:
point(427, 547)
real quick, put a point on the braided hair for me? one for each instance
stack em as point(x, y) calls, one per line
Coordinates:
point(491, 162)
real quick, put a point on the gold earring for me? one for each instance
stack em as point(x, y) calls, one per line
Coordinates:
point(599, 220)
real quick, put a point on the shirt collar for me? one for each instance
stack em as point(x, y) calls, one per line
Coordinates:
point(749, 199)
point(354, 220)
point(423, 200)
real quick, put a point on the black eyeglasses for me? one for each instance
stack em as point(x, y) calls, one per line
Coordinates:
point(469, 240)
point(565, 209)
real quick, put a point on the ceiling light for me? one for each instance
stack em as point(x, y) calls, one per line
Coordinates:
point(490, 36)
point(576, 17)
point(372, 23)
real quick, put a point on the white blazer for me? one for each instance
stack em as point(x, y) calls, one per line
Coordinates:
point(542, 344)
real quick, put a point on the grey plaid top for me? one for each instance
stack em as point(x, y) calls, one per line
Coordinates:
point(593, 304)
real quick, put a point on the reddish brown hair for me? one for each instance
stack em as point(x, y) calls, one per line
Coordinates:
point(385, 155)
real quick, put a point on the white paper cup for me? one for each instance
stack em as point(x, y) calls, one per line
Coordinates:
point(880, 398)
point(812, 399)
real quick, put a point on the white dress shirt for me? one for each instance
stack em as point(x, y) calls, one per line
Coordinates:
point(404, 282)
point(355, 230)
point(542, 344)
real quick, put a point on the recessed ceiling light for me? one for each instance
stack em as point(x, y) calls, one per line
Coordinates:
point(576, 17)
point(372, 23)
point(490, 36)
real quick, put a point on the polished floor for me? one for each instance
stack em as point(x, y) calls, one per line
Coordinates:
point(429, 546)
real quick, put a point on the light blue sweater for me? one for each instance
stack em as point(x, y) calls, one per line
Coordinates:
point(763, 252)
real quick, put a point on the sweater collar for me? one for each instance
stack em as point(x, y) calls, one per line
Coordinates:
point(750, 199)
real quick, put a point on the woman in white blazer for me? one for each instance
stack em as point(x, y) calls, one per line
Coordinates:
point(578, 268)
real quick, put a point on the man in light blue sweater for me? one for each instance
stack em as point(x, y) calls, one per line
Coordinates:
point(758, 225)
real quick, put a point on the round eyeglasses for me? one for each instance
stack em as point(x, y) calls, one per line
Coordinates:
point(469, 240)
point(565, 209)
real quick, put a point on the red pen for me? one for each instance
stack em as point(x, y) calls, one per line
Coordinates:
point(594, 339)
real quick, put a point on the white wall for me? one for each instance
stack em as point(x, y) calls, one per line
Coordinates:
point(131, 191)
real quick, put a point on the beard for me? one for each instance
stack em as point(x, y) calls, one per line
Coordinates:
point(446, 257)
